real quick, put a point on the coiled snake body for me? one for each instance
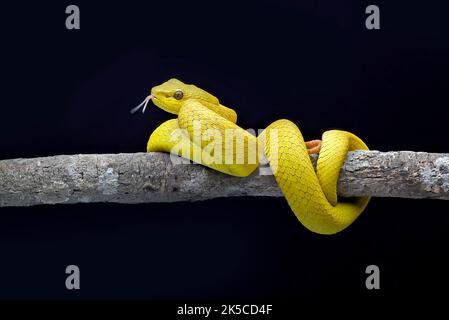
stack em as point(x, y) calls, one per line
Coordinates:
point(197, 133)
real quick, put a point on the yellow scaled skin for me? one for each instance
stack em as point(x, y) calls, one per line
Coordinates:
point(311, 196)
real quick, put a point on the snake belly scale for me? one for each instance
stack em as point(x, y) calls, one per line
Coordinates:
point(311, 195)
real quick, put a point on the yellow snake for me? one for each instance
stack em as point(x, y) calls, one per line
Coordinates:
point(199, 134)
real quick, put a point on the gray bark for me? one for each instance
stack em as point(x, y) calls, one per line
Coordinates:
point(152, 177)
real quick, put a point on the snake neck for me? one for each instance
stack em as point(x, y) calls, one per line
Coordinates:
point(221, 110)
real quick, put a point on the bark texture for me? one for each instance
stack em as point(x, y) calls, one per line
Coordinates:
point(152, 177)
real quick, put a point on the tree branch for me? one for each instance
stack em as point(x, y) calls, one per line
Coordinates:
point(152, 177)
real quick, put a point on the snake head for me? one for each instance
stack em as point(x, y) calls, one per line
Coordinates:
point(172, 94)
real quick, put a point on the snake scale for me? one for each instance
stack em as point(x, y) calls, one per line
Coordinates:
point(197, 134)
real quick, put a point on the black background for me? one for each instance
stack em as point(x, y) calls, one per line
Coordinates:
point(313, 62)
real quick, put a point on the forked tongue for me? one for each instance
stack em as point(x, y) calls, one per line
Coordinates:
point(143, 104)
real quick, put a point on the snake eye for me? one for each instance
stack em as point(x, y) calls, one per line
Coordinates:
point(178, 95)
